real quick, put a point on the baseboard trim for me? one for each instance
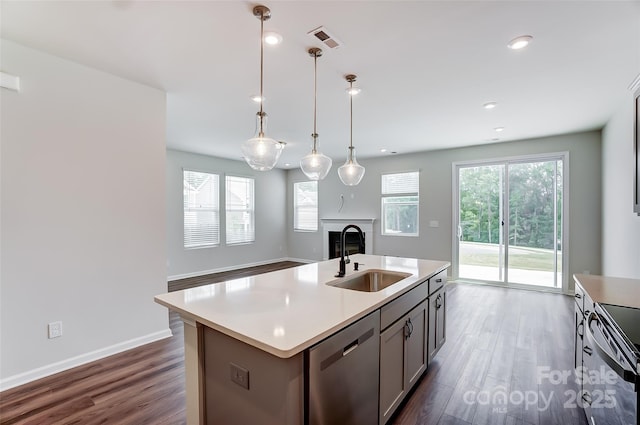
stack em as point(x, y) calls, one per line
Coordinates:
point(234, 267)
point(44, 371)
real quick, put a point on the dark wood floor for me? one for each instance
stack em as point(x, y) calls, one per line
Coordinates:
point(499, 342)
point(192, 282)
point(496, 340)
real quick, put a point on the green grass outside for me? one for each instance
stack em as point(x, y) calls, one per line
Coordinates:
point(519, 257)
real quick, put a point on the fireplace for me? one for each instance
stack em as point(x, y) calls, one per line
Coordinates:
point(330, 225)
point(352, 243)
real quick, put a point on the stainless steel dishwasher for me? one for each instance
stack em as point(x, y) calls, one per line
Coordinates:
point(343, 376)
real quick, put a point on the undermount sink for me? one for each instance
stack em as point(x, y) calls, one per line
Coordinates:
point(369, 281)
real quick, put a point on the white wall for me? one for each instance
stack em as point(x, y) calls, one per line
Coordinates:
point(83, 226)
point(620, 225)
point(270, 221)
point(363, 201)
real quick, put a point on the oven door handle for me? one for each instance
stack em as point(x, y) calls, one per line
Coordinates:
point(625, 374)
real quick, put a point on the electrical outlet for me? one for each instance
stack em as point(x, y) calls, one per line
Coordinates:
point(55, 329)
point(239, 375)
point(434, 223)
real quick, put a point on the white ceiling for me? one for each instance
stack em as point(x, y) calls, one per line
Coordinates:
point(425, 67)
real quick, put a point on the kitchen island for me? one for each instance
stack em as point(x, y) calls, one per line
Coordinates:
point(247, 340)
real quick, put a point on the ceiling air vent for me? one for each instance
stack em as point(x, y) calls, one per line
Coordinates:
point(323, 35)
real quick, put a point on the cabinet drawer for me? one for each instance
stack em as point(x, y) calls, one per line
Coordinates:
point(397, 308)
point(436, 282)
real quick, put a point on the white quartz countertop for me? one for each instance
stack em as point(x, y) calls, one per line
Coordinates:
point(287, 311)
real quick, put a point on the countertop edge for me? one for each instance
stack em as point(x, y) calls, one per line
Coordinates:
point(293, 351)
point(610, 290)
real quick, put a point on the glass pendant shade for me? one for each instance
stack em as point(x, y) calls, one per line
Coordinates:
point(315, 165)
point(351, 173)
point(261, 152)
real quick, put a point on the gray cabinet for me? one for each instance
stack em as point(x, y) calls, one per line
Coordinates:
point(579, 330)
point(416, 344)
point(582, 348)
point(437, 322)
point(403, 358)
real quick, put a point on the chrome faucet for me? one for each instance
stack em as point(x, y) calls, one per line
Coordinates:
point(343, 264)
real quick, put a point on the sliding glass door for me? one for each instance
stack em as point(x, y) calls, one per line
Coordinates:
point(480, 231)
point(510, 221)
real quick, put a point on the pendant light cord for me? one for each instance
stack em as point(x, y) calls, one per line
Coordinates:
point(351, 116)
point(351, 119)
point(261, 71)
point(315, 101)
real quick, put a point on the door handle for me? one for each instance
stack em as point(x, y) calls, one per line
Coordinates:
point(346, 350)
point(627, 375)
point(408, 328)
point(459, 231)
point(349, 348)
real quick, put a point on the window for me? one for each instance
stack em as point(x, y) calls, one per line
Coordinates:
point(400, 199)
point(305, 206)
point(240, 210)
point(201, 209)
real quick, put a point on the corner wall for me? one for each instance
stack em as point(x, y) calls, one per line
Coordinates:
point(620, 225)
point(82, 225)
point(363, 201)
point(270, 218)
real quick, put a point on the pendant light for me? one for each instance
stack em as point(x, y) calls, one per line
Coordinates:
point(315, 165)
point(261, 152)
point(351, 172)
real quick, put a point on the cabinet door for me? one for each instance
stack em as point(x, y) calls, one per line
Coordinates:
point(437, 322)
point(392, 387)
point(416, 344)
point(441, 318)
point(579, 329)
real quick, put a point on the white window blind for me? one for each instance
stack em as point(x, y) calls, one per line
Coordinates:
point(240, 210)
point(201, 209)
point(305, 206)
point(400, 202)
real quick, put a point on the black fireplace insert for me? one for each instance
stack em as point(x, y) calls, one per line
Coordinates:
point(352, 244)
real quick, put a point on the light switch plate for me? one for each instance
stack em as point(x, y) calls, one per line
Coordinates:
point(55, 329)
point(8, 81)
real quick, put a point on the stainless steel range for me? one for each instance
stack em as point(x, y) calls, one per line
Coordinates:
point(612, 366)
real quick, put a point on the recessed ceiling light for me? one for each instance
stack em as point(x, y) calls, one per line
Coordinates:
point(490, 105)
point(499, 129)
point(383, 150)
point(520, 42)
point(256, 98)
point(287, 164)
point(272, 38)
